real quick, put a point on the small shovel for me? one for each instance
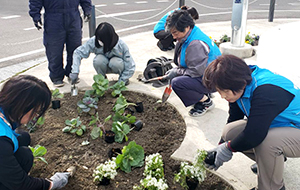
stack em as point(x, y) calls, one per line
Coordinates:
point(152, 79)
point(74, 90)
point(166, 93)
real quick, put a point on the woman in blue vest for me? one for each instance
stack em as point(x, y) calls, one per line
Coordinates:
point(193, 52)
point(166, 40)
point(264, 118)
point(21, 99)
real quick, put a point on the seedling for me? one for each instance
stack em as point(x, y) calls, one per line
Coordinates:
point(121, 105)
point(31, 126)
point(99, 128)
point(56, 94)
point(121, 130)
point(132, 156)
point(100, 85)
point(74, 126)
point(38, 153)
point(118, 88)
point(88, 105)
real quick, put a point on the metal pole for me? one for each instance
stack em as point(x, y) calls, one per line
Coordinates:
point(92, 22)
point(238, 22)
point(181, 3)
point(271, 10)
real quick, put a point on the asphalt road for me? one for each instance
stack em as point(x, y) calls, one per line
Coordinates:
point(21, 42)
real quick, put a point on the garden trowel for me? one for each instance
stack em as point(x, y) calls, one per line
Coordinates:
point(166, 93)
point(74, 90)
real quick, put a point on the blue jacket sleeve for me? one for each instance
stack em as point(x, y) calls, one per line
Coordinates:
point(86, 6)
point(35, 7)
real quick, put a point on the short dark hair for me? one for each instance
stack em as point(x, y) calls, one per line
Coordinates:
point(179, 19)
point(106, 33)
point(193, 12)
point(227, 72)
point(23, 93)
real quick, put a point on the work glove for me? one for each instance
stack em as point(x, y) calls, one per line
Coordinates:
point(87, 17)
point(38, 24)
point(73, 77)
point(171, 74)
point(224, 154)
point(59, 180)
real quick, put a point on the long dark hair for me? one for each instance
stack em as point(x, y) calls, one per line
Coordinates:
point(227, 72)
point(23, 93)
point(105, 32)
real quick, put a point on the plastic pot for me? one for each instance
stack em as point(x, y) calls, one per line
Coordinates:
point(210, 158)
point(192, 183)
point(55, 104)
point(109, 137)
point(114, 152)
point(138, 125)
point(105, 181)
point(129, 110)
point(139, 107)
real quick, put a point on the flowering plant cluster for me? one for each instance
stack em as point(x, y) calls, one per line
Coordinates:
point(251, 39)
point(107, 170)
point(195, 171)
point(154, 174)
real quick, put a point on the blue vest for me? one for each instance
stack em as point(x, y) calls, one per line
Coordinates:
point(197, 34)
point(6, 130)
point(290, 117)
point(161, 23)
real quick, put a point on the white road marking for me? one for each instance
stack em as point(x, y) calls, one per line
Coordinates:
point(12, 16)
point(125, 13)
point(141, 2)
point(266, 4)
point(134, 27)
point(120, 3)
point(101, 5)
point(32, 28)
point(162, 1)
point(21, 55)
point(294, 3)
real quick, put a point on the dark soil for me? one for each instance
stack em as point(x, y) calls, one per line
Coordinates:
point(163, 132)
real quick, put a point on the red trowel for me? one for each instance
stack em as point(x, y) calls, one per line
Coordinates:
point(166, 93)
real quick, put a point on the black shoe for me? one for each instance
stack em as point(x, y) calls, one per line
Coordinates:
point(58, 83)
point(282, 188)
point(161, 47)
point(200, 108)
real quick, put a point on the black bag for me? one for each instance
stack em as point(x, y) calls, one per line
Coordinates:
point(157, 67)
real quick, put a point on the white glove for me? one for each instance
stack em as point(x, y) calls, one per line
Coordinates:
point(59, 180)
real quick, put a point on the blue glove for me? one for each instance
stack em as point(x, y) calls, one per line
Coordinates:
point(171, 74)
point(38, 24)
point(59, 180)
point(73, 77)
point(87, 18)
point(224, 154)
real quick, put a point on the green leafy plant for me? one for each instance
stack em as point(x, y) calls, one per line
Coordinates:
point(118, 88)
point(121, 104)
point(74, 126)
point(100, 85)
point(121, 129)
point(99, 128)
point(224, 38)
point(87, 105)
point(154, 173)
point(38, 152)
point(35, 122)
point(132, 156)
point(107, 170)
point(56, 94)
point(195, 171)
point(126, 118)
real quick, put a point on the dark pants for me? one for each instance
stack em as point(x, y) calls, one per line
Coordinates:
point(165, 38)
point(56, 34)
point(23, 154)
point(189, 90)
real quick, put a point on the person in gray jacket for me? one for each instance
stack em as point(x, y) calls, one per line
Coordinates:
point(112, 54)
point(194, 50)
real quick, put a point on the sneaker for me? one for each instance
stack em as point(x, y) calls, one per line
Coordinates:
point(201, 108)
point(161, 47)
point(58, 83)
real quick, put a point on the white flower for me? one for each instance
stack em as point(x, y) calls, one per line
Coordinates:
point(107, 170)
